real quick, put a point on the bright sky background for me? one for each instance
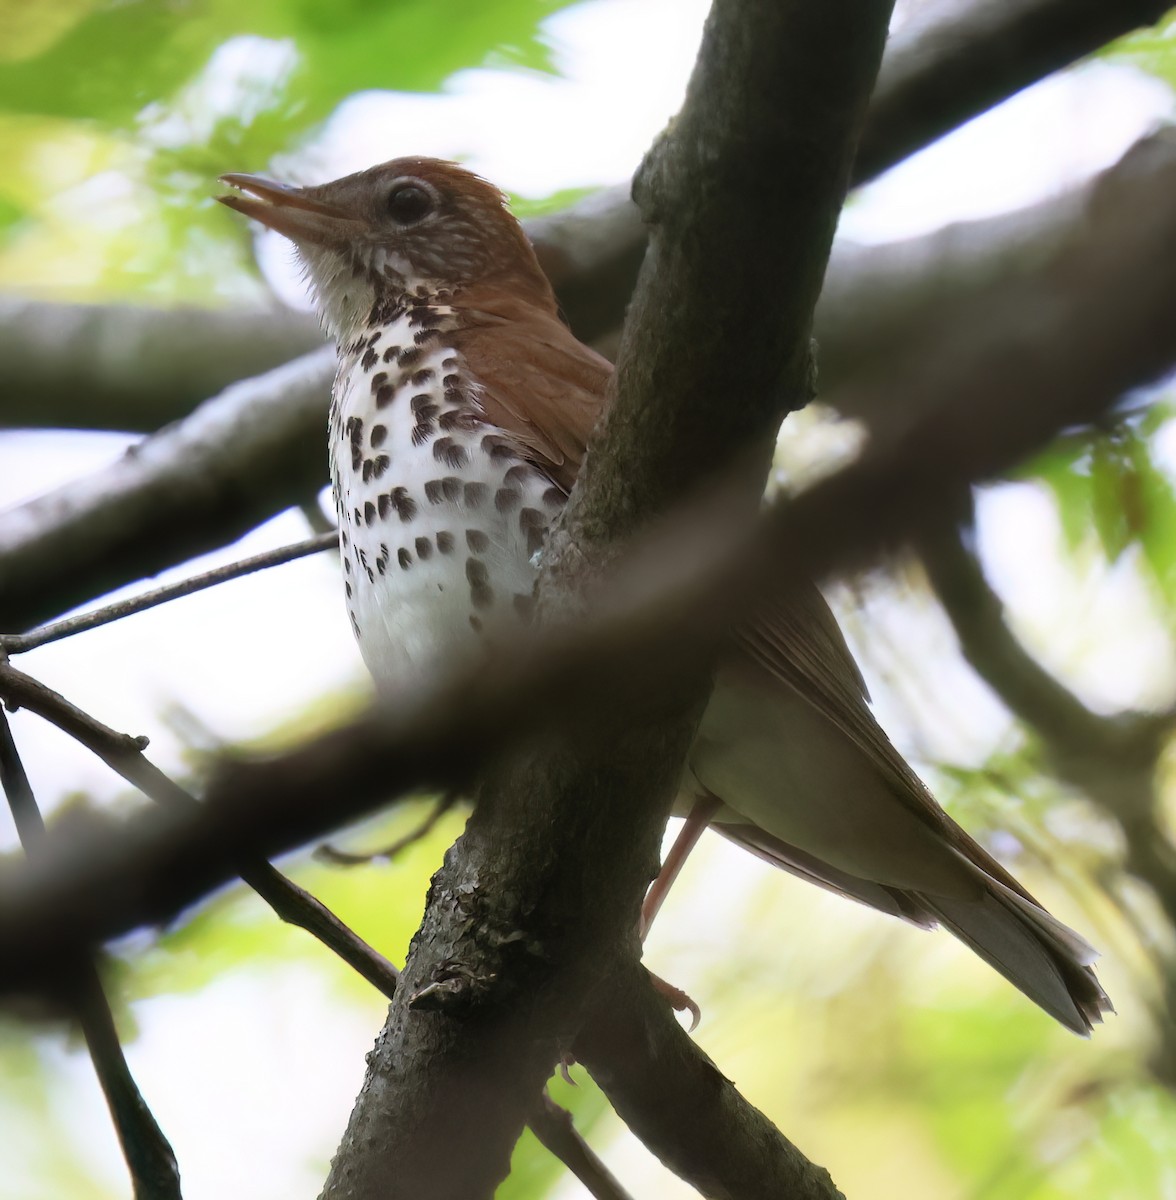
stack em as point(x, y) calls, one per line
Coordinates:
point(244, 656)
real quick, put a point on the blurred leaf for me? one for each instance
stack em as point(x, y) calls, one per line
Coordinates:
point(1152, 50)
point(118, 58)
point(1065, 468)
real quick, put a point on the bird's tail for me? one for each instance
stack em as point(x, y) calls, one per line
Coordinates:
point(1034, 951)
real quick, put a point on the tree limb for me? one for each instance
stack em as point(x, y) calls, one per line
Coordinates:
point(953, 62)
point(1101, 324)
point(537, 903)
point(146, 367)
point(682, 1106)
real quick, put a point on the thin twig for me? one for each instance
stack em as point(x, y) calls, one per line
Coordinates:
point(149, 1156)
point(554, 1128)
point(347, 858)
point(19, 643)
point(291, 903)
point(124, 754)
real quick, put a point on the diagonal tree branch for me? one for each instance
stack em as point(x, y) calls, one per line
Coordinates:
point(536, 906)
point(1101, 325)
point(724, 1146)
point(1114, 760)
point(953, 62)
point(291, 903)
point(148, 1154)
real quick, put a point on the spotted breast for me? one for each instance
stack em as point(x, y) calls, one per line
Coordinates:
point(440, 517)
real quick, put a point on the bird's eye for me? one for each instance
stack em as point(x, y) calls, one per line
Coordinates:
point(408, 203)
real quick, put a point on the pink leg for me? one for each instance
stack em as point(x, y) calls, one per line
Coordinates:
point(699, 818)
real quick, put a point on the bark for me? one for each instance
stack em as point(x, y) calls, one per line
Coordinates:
point(1101, 325)
point(535, 909)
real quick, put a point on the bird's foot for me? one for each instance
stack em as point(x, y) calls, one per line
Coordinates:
point(679, 1001)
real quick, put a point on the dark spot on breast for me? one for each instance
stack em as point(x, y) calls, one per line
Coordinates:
point(380, 464)
point(384, 395)
point(421, 377)
point(428, 317)
point(346, 565)
point(451, 381)
point(391, 352)
point(422, 405)
point(481, 593)
point(475, 623)
point(476, 540)
point(445, 542)
point(347, 586)
point(384, 504)
point(369, 360)
point(357, 517)
point(355, 435)
point(446, 450)
point(379, 378)
point(524, 604)
point(377, 436)
point(404, 558)
point(496, 447)
point(507, 498)
point(425, 335)
point(375, 337)
point(424, 548)
point(449, 362)
point(554, 497)
point(534, 524)
point(405, 505)
point(518, 474)
point(458, 418)
point(422, 431)
point(473, 494)
point(369, 512)
point(367, 469)
point(410, 357)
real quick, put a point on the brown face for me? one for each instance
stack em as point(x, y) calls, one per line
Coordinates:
point(412, 221)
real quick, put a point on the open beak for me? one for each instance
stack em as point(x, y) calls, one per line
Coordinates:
point(290, 210)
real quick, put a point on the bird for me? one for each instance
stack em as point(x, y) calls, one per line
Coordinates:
point(461, 410)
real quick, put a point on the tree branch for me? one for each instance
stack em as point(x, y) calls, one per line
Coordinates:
point(133, 520)
point(952, 63)
point(511, 949)
point(147, 367)
point(1112, 759)
point(682, 1106)
point(148, 1154)
point(240, 458)
point(1100, 326)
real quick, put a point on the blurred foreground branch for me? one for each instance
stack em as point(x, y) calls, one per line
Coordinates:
point(1102, 325)
point(196, 485)
point(148, 1154)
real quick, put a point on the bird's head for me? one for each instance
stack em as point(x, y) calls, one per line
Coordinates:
point(409, 227)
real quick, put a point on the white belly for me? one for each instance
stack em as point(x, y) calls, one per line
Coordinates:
point(440, 519)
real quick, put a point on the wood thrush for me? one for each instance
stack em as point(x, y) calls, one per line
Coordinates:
point(461, 410)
